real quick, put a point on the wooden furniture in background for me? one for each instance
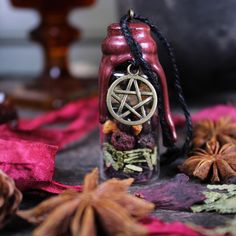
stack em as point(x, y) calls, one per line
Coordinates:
point(55, 35)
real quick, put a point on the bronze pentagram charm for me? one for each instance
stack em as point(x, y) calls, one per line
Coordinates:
point(131, 99)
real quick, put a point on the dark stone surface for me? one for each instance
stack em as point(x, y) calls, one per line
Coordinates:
point(76, 160)
point(203, 34)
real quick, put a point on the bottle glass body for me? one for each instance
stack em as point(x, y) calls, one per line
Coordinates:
point(130, 151)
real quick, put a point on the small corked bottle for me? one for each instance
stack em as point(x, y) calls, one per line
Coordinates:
point(128, 107)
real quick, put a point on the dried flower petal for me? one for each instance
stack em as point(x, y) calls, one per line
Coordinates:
point(122, 141)
point(158, 227)
point(137, 129)
point(109, 127)
point(176, 194)
point(147, 141)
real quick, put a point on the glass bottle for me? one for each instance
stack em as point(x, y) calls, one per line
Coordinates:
point(128, 108)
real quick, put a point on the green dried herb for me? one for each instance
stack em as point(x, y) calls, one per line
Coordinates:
point(109, 160)
point(129, 161)
point(147, 156)
point(154, 157)
point(134, 168)
point(221, 199)
point(228, 187)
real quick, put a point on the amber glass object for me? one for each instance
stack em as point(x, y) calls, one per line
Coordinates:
point(55, 35)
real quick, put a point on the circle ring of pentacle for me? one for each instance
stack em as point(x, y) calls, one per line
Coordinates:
point(143, 97)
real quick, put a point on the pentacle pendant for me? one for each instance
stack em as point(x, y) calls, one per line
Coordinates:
point(131, 99)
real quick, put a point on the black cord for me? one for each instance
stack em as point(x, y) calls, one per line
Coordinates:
point(172, 152)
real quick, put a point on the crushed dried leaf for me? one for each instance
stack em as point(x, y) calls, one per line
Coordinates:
point(105, 209)
point(219, 198)
point(214, 163)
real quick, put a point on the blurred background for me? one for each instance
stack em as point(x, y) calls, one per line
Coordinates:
point(19, 55)
point(202, 32)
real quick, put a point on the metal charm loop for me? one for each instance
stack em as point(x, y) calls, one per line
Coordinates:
point(135, 104)
point(129, 70)
point(131, 13)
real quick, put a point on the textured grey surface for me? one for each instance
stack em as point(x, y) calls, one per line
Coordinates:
point(78, 159)
point(203, 34)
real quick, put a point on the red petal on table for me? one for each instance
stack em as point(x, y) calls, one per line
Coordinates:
point(27, 162)
point(56, 187)
point(213, 113)
point(81, 116)
point(49, 137)
point(71, 111)
point(31, 165)
point(27, 153)
point(157, 227)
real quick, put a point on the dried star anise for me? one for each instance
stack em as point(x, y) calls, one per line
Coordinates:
point(222, 130)
point(214, 162)
point(105, 209)
point(10, 198)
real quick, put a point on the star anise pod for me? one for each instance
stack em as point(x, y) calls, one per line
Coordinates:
point(222, 130)
point(10, 198)
point(214, 162)
point(105, 209)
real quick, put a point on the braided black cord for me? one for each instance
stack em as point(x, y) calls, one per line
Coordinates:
point(139, 61)
point(177, 84)
point(173, 152)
